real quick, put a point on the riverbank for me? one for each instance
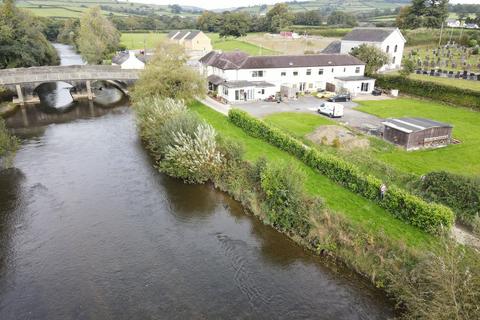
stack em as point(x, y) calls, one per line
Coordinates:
point(7, 108)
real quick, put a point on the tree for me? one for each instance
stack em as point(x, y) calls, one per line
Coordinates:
point(168, 76)
point(69, 32)
point(209, 21)
point(373, 57)
point(279, 17)
point(98, 38)
point(408, 67)
point(22, 43)
point(175, 8)
point(235, 24)
point(423, 13)
point(341, 18)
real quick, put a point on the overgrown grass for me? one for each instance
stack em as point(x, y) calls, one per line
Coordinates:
point(357, 209)
point(462, 158)
point(460, 83)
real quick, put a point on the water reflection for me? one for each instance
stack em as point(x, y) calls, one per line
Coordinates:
point(55, 96)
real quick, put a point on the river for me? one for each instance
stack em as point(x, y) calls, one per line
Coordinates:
point(89, 229)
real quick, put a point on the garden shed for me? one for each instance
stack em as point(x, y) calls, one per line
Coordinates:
point(417, 133)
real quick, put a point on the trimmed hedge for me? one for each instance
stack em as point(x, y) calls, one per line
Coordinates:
point(430, 217)
point(444, 93)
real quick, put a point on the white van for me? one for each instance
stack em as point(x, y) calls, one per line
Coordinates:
point(331, 109)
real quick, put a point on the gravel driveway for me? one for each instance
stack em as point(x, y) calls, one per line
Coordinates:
point(308, 104)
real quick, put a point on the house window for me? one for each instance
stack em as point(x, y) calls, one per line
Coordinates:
point(225, 91)
point(332, 69)
point(365, 86)
point(388, 49)
point(257, 73)
point(283, 74)
point(295, 73)
point(393, 61)
point(357, 69)
point(309, 72)
point(320, 72)
point(310, 86)
point(344, 69)
point(396, 47)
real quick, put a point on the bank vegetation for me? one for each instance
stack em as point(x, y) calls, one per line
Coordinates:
point(437, 280)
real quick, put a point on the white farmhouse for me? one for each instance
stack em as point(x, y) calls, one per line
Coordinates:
point(128, 60)
point(389, 40)
point(236, 76)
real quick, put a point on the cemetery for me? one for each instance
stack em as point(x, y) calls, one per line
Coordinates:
point(449, 61)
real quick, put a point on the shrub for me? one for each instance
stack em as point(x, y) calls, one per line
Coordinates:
point(286, 204)
point(460, 193)
point(192, 157)
point(409, 208)
point(8, 144)
point(440, 92)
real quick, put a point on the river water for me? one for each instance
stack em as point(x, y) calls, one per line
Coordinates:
point(90, 230)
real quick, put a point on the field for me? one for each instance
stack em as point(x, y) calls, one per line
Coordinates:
point(142, 40)
point(288, 46)
point(231, 44)
point(356, 208)
point(461, 158)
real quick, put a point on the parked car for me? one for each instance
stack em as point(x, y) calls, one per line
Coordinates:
point(340, 98)
point(377, 92)
point(333, 110)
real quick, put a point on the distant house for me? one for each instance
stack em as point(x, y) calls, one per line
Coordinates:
point(236, 76)
point(191, 40)
point(417, 133)
point(454, 23)
point(389, 40)
point(129, 60)
point(471, 26)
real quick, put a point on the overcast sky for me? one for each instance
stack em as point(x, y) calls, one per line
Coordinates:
point(216, 4)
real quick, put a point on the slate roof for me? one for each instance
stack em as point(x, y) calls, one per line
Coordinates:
point(241, 60)
point(333, 47)
point(216, 80)
point(409, 125)
point(369, 34)
point(120, 57)
point(179, 34)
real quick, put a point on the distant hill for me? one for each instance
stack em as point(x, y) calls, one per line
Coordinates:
point(68, 8)
point(344, 5)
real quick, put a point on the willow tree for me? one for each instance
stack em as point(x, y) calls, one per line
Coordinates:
point(167, 75)
point(22, 44)
point(98, 38)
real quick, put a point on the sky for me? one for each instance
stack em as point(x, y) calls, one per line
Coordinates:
point(220, 4)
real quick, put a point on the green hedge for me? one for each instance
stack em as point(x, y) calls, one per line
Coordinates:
point(404, 206)
point(444, 93)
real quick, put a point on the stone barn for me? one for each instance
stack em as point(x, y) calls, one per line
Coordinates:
point(417, 133)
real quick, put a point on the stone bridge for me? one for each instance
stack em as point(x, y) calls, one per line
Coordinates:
point(25, 80)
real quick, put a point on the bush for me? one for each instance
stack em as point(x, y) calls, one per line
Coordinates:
point(409, 208)
point(285, 201)
point(440, 92)
point(460, 193)
point(8, 144)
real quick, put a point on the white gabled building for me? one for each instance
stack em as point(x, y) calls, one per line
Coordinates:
point(236, 76)
point(128, 60)
point(389, 40)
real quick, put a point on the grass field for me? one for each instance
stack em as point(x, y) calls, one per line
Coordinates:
point(464, 84)
point(357, 209)
point(288, 46)
point(231, 44)
point(297, 124)
point(462, 158)
point(140, 40)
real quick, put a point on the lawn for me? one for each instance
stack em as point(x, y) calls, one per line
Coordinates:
point(357, 209)
point(463, 84)
point(462, 158)
point(140, 40)
point(232, 44)
point(297, 124)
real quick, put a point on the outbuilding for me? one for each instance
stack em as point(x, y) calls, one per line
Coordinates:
point(417, 133)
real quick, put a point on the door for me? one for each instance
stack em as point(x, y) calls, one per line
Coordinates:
point(365, 86)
